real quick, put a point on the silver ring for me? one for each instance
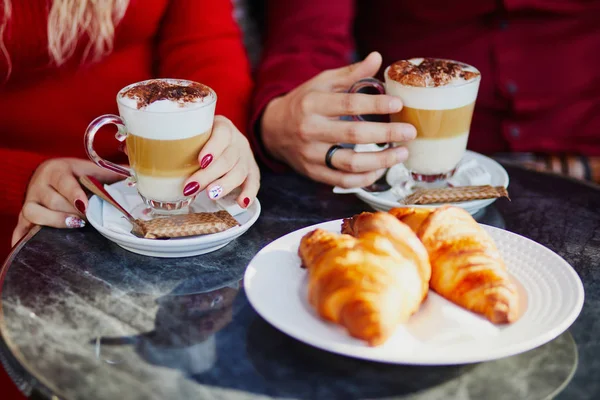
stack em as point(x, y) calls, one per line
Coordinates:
point(330, 154)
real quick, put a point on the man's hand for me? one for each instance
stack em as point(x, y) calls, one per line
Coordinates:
point(301, 126)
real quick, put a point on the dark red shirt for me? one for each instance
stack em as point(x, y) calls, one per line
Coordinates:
point(539, 59)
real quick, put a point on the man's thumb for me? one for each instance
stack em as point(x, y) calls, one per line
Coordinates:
point(349, 74)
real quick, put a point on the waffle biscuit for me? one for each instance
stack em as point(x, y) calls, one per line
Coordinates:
point(455, 194)
point(185, 225)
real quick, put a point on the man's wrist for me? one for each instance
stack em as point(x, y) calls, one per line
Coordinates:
point(269, 125)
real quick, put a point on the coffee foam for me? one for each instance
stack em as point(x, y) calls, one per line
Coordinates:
point(168, 119)
point(164, 106)
point(431, 72)
point(168, 126)
point(166, 95)
point(433, 98)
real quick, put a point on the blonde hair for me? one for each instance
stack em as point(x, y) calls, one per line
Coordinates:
point(68, 21)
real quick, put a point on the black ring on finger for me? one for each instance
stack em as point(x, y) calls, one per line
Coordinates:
point(330, 154)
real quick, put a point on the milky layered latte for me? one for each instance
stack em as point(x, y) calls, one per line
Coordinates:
point(439, 98)
point(168, 122)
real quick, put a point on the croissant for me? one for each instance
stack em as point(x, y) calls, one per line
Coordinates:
point(467, 267)
point(367, 284)
point(401, 236)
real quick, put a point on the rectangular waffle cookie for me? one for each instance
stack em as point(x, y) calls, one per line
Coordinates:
point(185, 225)
point(455, 194)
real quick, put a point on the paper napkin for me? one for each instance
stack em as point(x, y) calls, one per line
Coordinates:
point(469, 173)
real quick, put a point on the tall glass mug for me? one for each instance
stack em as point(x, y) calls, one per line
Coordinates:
point(165, 123)
point(439, 98)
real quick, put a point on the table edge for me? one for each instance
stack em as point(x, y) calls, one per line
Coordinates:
point(14, 251)
point(37, 384)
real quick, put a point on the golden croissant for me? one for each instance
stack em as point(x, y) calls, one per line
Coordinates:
point(368, 284)
point(466, 265)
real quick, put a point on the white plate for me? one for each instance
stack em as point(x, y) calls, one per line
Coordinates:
point(183, 247)
point(440, 333)
point(387, 200)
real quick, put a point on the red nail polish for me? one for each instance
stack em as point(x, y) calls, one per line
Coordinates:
point(80, 206)
point(206, 160)
point(246, 201)
point(191, 188)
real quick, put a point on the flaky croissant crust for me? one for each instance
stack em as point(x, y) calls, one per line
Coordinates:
point(467, 267)
point(367, 284)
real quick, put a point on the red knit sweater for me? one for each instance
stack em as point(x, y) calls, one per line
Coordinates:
point(44, 110)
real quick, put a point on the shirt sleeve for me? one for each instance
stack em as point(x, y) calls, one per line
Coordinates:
point(16, 169)
point(302, 39)
point(200, 41)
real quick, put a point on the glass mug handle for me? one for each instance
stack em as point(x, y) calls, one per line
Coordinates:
point(121, 135)
point(367, 83)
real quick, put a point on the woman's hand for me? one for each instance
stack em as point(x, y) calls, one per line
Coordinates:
point(301, 126)
point(226, 162)
point(54, 196)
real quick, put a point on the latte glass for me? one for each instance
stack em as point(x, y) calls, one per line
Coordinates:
point(442, 116)
point(163, 143)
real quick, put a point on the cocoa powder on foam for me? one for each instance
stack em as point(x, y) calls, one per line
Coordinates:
point(430, 72)
point(157, 90)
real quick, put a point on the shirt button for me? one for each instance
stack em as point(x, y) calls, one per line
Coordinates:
point(515, 132)
point(512, 87)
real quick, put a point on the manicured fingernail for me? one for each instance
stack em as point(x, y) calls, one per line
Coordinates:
point(395, 104)
point(409, 133)
point(402, 153)
point(191, 188)
point(413, 133)
point(206, 160)
point(74, 222)
point(215, 191)
point(246, 201)
point(80, 206)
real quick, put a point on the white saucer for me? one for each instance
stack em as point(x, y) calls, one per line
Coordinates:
point(387, 200)
point(172, 248)
point(440, 333)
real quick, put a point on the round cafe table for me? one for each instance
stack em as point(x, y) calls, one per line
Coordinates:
point(81, 318)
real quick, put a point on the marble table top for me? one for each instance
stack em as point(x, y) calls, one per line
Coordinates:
point(81, 318)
